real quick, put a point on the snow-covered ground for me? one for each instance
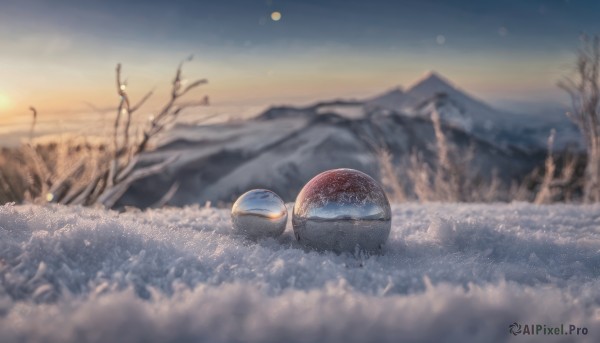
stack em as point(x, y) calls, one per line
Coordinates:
point(455, 273)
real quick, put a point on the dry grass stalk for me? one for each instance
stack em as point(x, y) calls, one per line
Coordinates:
point(33, 122)
point(419, 173)
point(389, 176)
point(451, 179)
point(545, 194)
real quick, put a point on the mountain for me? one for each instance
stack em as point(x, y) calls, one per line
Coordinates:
point(219, 162)
point(394, 99)
point(433, 84)
point(458, 109)
point(432, 90)
point(284, 147)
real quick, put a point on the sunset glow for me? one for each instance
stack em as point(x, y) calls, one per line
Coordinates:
point(62, 56)
point(5, 102)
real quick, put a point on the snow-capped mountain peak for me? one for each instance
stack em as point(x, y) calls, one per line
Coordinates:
point(476, 112)
point(430, 84)
point(434, 84)
point(426, 89)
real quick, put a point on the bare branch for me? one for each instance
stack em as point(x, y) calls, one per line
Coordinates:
point(167, 197)
point(33, 122)
point(109, 197)
point(193, 85)
point(141, 102)
point(100, 175)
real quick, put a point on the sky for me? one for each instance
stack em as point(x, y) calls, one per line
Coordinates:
point(60, 55)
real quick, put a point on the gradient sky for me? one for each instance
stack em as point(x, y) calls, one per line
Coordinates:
point(60, 54)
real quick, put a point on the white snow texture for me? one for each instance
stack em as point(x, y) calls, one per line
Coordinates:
point(449, 273)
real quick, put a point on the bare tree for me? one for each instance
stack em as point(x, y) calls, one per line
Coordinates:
point(72, 173)
point(584, 90)
point(122, 171)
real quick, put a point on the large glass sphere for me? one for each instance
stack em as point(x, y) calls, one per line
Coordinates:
point(259, 213)
point(342, 210)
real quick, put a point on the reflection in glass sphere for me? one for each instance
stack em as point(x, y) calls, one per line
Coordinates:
point(259, 213)
point(342, 210)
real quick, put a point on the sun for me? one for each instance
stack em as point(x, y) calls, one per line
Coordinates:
point(4, 101)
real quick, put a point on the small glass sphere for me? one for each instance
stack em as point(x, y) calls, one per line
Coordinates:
point(259, 213)
point(342, 210)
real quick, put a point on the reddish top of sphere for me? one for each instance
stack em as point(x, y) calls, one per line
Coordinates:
point(334, 192)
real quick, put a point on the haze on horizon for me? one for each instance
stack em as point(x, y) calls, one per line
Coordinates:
point(58, 55)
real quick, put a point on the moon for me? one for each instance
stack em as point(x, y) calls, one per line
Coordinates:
point(276, 16)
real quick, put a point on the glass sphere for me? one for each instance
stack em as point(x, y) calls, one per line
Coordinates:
point(259, 213)
point(342, 210)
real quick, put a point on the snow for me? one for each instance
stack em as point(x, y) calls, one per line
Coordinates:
point(428, 87)
point(464, 106)
point(347, 111)
point(286, 147)
point(449, 273)
point(394, 99)
point(302, 160)
point(250, 135)
point(459, 109)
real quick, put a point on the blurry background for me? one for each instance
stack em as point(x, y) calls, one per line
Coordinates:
point(487, 72)
point(60, 54)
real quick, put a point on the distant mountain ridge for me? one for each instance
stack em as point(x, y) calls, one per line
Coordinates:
point(459, 109)
point(394, 99)
point(430, 88)
point(285, 146)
